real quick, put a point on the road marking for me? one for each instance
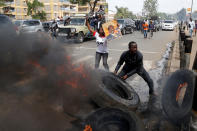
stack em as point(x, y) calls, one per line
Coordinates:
point(118, 50)
point(83, 59)
point(148, 65)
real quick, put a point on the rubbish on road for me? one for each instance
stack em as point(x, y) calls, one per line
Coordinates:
point(177, 97)
point(111, 119)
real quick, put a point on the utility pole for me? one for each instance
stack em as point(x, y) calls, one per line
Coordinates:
point(191, 9)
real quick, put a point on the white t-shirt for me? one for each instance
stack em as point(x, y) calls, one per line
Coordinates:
point(101, 43)
point(192, 25)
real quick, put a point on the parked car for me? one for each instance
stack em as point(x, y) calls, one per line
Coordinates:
point(168, 25)
point(29, 26)
point(46, 25)
point(6, 24)
point(75, 30)
point(126, 25)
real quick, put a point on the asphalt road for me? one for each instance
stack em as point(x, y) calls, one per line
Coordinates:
point(152, 49)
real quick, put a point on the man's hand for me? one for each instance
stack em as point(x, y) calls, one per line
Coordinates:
point(125, 77)
point(115, 72)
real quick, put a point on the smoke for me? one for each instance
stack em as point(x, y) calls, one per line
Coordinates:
point(39, 85)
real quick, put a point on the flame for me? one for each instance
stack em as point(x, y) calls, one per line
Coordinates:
point(88, 128)
point(179, 90)
point(37, 65)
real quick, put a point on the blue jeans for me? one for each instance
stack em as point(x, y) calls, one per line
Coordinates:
point(145, 33)
point(98, 59)
point(190, 32)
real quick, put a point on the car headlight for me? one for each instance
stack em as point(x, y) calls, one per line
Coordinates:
point(72, 30)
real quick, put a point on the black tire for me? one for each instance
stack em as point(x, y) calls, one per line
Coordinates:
point(110, 119)
point(123, 31)
point(177, 111)
point(80, 37)
point(114, 92)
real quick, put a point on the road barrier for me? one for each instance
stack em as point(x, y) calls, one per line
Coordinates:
point(188, 48)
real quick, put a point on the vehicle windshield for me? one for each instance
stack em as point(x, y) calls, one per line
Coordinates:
point(18, 23)
point(168, 21)
point(77, 21)
point(120, 21)
point(31, 23)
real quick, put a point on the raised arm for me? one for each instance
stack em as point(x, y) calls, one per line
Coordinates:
point(89, 27)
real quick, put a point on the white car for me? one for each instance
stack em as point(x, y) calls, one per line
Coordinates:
point(168, 25)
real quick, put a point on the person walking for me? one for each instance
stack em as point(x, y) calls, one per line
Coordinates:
point(102, 50)
point(151, 28)
point(133, 60)
point(191, 27)
point(195, 26)
point(145, 27)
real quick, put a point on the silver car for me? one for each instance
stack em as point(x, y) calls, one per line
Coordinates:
point(29, 26)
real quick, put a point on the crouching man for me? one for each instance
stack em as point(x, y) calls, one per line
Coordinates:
point(133, 60)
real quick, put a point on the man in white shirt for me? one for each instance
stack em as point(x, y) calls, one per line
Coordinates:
point(191, 27)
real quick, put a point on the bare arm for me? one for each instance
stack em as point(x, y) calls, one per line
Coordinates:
point(88, 25)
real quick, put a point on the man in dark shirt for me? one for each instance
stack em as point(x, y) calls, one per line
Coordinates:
point(133, 60)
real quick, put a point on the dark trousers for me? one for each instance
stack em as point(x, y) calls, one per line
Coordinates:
point(143, 73)
point(98, 59)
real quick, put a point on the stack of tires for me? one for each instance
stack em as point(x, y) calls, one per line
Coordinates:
point(117, 101)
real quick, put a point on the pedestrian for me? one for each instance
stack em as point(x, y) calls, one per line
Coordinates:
point(195, 26)
point(145, 27)
point(151, 28)
point(191, 27)
point(53, 28)
point(133, 60)
point(102, 50)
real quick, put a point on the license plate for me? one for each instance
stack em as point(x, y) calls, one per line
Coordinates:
point(61, 34)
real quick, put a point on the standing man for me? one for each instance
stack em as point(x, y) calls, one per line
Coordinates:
point(133, 60)
point(191, 27)
point(145, 26)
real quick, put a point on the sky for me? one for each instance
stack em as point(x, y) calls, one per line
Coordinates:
point(167, 6)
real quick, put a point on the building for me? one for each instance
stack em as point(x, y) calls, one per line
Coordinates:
point(53, 8)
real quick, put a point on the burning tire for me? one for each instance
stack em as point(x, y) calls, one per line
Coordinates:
point(110, 119)
point(114, 92)
point(177, 97)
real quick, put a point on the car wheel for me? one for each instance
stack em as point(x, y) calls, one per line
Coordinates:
point(80, 37)
point(110, 119)
point(114, 92)
point(123, 31)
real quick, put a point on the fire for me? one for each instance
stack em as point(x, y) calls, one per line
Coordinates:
point(179, 90)
point(37, 65)
point(88, 128)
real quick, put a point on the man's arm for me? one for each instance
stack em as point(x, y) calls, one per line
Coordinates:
point(89, 27)
point(120, 62)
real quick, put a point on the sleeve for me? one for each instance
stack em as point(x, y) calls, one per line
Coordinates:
point(120, 62)
point(95, 34)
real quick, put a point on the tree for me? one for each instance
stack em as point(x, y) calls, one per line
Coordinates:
point(150, 8)
point(34, 10)
point(181, 15)
point(123, 12)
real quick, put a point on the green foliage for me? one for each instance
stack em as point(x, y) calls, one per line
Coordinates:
point(41, 15)
point(123, 13)
point(33, 7)
point(80, 2)
point(150, 7)
point(33, 10)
